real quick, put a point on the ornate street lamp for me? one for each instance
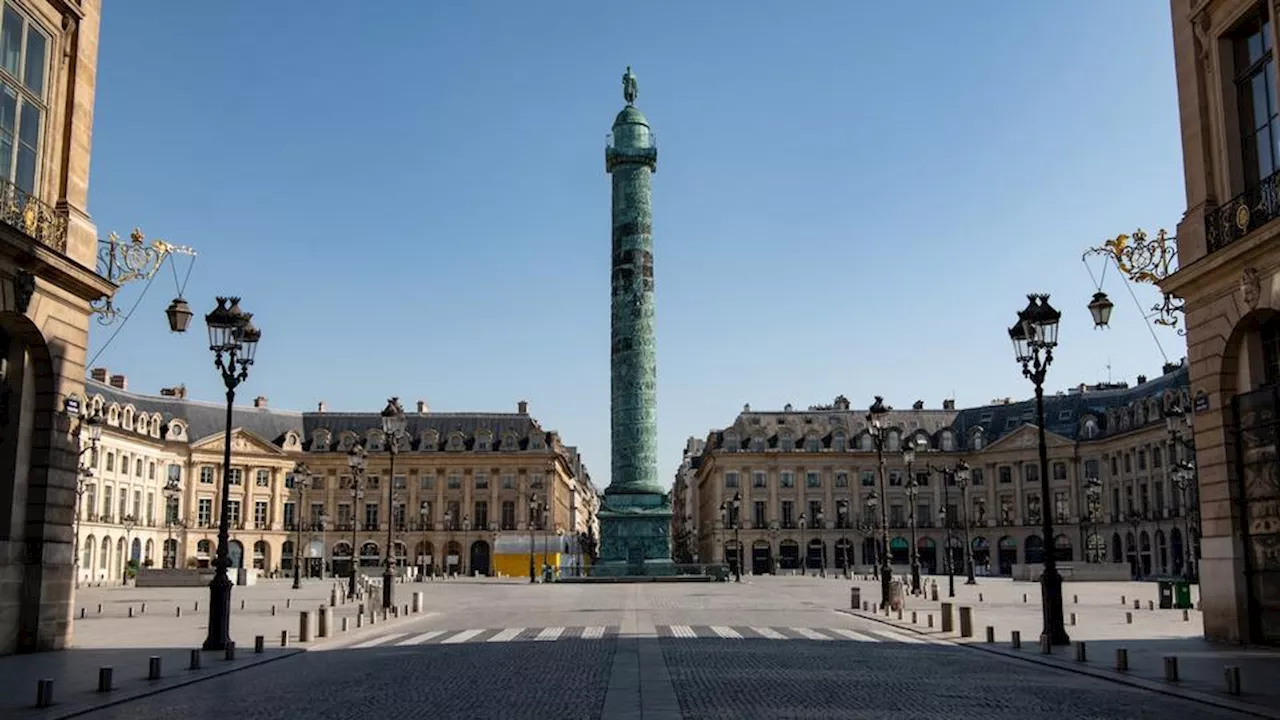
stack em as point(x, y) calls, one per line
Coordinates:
point(129, 522)
point(1093, 505)
point(842, 521)
point(913, 491)
point(424, 518)
point(804, 549)
point(1100, 309)
point(819, 523)
point(90, 429)
point(963, 474)
point(356, 460)
point(869, 528)
point(393, 426)
point(172, 497)
point(233, 339)
point(875, 424)
point(298, 480)
point(729, 516)
point(465, 552)
point(534, 513)
point(1034, 337)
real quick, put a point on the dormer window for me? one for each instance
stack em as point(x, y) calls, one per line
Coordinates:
point(1089, 428)
point(510, 442)
point(893, 441)
point(757, 443)
point(786, 443)
point(976, 440)
point(113, 416)
point(457, 442)
point(320, 440)
point(813, 444)
point(838, 441)
point(127, 420)
point(537, 443)
point(346, 441)
point(731, 442)
point(374, 441)
point(142, 425)
point(430, 440)
point(947, 440)
point(483, 441)
point(865, 443)
point(176, 430)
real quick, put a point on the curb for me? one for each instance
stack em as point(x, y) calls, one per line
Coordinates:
point(354, 635)
point(54, 714)
point(1199, 696)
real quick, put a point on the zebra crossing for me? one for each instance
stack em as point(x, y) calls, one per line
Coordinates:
point(601, 633)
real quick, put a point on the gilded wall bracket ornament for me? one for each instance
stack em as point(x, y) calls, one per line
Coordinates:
point(1143, 260)
point(126, 262)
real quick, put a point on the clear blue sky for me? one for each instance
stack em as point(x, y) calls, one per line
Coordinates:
point(849, 198)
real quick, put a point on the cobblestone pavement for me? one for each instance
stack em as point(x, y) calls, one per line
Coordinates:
point(752, 650)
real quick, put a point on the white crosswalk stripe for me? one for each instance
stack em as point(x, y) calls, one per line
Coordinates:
point(419, 639)
point(808, 634)
point(683, 631)
point(899, 637)
point(506, 635)
point(461, 637)
point(768, 633)
point(726, 632)
point(550, 633)
point(374, 642)
point(593, 633)
point(851, 635)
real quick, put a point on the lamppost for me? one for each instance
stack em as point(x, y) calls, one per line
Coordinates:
point(298, 480)
point(871, 527)
point(172, 496)
point(962, 474)
point(1134, 518)
point(465, 552)
point(129, 522)
point(546, 521)
point(534, 513)
point(356, 459)
point(820, 524)
point(804, 548)
point(913, 491)
point(944, 520)
point(1034, 337)
point(90, 425)
point(393, 425)
point(233, 339)
point(875, 425)
point(842, 522)
point(1093, 506)
point(1184, 477)
point(729, 516)
point(424, 517)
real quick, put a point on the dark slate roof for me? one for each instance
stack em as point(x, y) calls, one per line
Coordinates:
point(204, 419)
point(444, 424)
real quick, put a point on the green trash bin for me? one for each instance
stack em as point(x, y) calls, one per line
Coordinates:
point(1182, 595)
point(1166, 594)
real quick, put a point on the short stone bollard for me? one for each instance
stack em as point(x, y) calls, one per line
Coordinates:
point(230, 652)
point(947, 620)
point(304, 626)
point(194, 662)
point(360, 609)
point(966, 621)
point(1128, 618)
point(1073, 618)
point(284, 638)
point(1046, 645)
point(1015, 638)
point(1075, 599)
point(1232, 674)
point(153, 667)
point(913, 617)
point(865, 606)
point(899, 612)
point(322, 621)
point(1186, 616)
point(104, 678)
point(1171, 668)
point(384, 614)
point(344, 624)
point(44, 692)
point(1082, 655)
point(934, 594)
point(991, 634)
point(359, 621)
point(417, 602)
point(259, 644)
point(928, 620)
point(333, 597)
point(1137, 604)
point(1151, 604)
point(1122, 660)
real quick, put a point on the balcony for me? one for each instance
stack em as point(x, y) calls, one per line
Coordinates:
point(27, 214)
point(1243, 214)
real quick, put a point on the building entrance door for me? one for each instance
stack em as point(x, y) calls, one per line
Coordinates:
point(1257, 430)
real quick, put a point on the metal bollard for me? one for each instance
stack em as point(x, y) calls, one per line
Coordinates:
point(966, 621)
point(1024, 597)
point(359, 621)
point(913, 617)
point(1075, 599)
point(360, 609)
point(1137, 604)
point(288, 602)
point(979, 597)
point(947, 620)
point(1151, 604)
point(1171, 668)
point(1185, 616)
point(284, 638)
point(1232, 673)
point(404, 611)
point(344, 624)
point(273, 611)
point(322, 618)
point(153, 667)
point(1082, 655)
point(44, 692)
point(143, 611)
point(99, 608)
point(304, 626)
point(1128, 618)
point(81, 613)
point(196, 607)
point(130, 611)
point(333, 597)
point(384, 614)
point(417, 602)
point(928, 620)
point(242, 604)
point(1122, 660)
point(933, 595)
point(1046, 645)
point(1073, 618)
point(1016, 638)
point(259, 644)
point(230, 652)
point(194, 663)
point(991, 634)
point(899, 612)
point(177, 611)
point(104, 679)
point(1122, 600)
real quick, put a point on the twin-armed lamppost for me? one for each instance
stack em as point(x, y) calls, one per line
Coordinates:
point(172, 518)
point(1092, 511)
point(91, 429)
point(356, 460)
point(1183, 472)
point(534, 513)
point(913, 491)
point(233, 339)
point(729, 515)
point(842, 522)
point(393, 427)
point(298, 480)
point(957, 475)
point(875, 425)
point(1034, 337)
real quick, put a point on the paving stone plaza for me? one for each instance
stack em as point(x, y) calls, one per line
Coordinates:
point(766, 647)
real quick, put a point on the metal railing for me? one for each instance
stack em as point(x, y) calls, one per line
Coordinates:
point(29, 215)
point(1243, 213)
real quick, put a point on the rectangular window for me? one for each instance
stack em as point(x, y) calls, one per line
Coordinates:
point(399, 482)
point(895, 478)
point(137, 504)
point(759, 479)
point(868, 478)
point(1059, 471)
point(262, 479)
point(260, 515)
point(106, 503)
point(481, 515)
point(508, 482)
point(398, 517)
point(788, 514)
point(1006, 475)
point(815, 513)
point(1061, 507)
point(482, 481)
point(813, 480)
point(371, 516)
point(1142, 459)
point(206, 474)
point(787, 479)
point(1031, 473)
point(175, 474)
point(535, 480)
point(454, 481)
point(1255, 92)
point(759, 514)
point(897, 518)
point(290, 516)
point(237, 476)
point(234, 515)
point(316, 518)
point(151, 508)
point(427, 482)
point(23, 58)
point(731, 479)
point(508, 514)
point(345, 516)
point(842, 479)
point(204, 512)
point(976, 476)
point(1159, 491)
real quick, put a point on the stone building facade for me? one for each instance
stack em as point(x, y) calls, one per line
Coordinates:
point(819, 465)
point(459, 496)
point(1229, 260)
point(48, 255)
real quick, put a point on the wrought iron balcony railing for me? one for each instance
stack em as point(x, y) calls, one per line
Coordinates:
point(1243, 214)
point(29, 215)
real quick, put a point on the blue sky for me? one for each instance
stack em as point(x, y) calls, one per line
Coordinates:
point(848, 199)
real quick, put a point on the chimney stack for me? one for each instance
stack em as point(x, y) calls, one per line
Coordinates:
point(100, 374)
point(422, 407)
point(949, 404)
point(321, 407)
point(1142, 379)
point(179, 392)
point(918, 405)
point(522, 407)
point(260, 401)
point(120, 381)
